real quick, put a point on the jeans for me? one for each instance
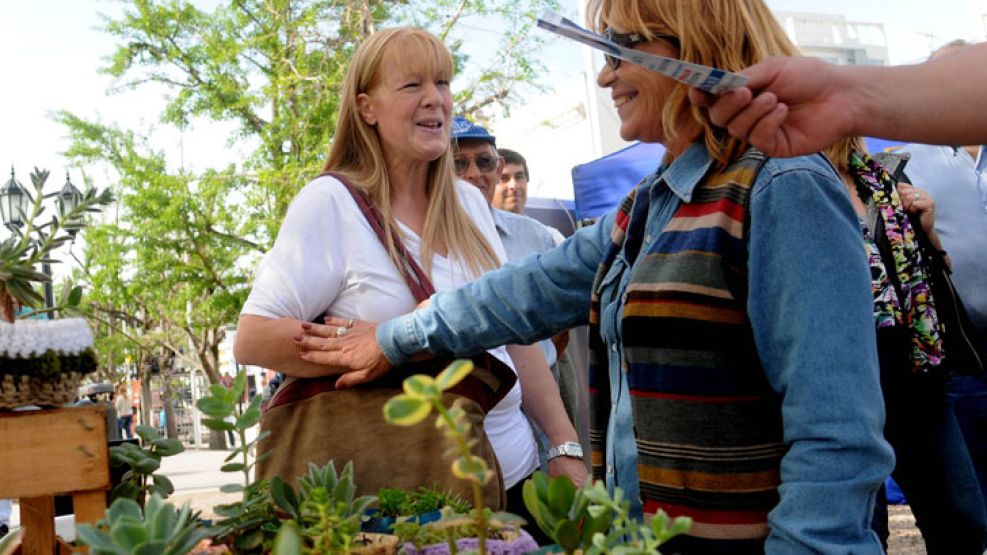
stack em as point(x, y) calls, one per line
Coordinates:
point(933, 467)
point(968, 397)
point(123, 426)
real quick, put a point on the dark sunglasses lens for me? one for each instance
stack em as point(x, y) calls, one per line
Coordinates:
point(486, 164)
point(612, 61)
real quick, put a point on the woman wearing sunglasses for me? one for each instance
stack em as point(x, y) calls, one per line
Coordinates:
point(733, 361)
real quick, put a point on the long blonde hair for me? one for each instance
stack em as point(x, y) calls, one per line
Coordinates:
point(356, 150)
point(727, 34)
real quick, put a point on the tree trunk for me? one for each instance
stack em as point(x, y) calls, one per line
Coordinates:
point(217, 440)
point(146, 408)
point(168, 396)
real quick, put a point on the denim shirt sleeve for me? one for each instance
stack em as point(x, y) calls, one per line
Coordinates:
point(518, 303)
point(811, 306)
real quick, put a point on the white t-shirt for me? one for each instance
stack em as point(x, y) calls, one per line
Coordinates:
point(327, 260)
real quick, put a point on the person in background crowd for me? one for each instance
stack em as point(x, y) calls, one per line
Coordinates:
point(722, 294)
point(125, 411)
point(793, 106)
point(474, 150)
point(511, 192)
point(932, 463)
point(956, 179)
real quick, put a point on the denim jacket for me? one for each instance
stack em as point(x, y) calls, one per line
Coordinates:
point(810, 306)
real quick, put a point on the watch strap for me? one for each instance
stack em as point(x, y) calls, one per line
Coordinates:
point(567, 449)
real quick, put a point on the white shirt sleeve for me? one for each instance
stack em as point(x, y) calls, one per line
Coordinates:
point(302, 274)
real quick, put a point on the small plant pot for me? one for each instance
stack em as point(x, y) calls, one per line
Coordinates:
point(385, 524)
point(511, 543)
point(42, 362)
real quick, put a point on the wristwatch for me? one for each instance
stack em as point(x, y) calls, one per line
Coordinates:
point(567, 449)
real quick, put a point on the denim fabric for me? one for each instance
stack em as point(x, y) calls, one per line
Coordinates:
point(933, 467)
point(967, 396)
point(810, 306)
point(523, 236)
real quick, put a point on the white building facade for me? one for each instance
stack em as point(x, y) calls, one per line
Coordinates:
point(835, 39)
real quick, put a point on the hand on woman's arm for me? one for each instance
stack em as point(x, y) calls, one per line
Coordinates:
point(355, 352)
point(542, 402)
point(269, 343)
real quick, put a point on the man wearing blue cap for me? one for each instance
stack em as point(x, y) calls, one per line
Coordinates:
point(477, 161)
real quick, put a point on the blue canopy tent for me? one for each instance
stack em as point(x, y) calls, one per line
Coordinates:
point(599, 185)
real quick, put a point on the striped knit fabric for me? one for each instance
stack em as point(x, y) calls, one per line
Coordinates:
point(708, 426)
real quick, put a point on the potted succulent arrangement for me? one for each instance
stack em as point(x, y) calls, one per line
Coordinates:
point(41, 361)
point(421, 506)
point(478, 529)
point(324, 516)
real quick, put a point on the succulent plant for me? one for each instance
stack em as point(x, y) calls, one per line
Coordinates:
point(142, 463)
point(161, 529)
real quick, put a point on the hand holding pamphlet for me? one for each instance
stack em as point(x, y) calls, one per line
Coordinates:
point(705, 78)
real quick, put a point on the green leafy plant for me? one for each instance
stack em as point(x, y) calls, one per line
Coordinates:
point(325, 509)
point(591, 520)
point(223, 403)
point(250, 524)
point(423, 394)
point(143, 461)
point(397, 502)
point(26, 248)
point(160, 529)
point(452, 526)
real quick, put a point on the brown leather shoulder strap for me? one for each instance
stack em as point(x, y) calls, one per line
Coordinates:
point(421, 287)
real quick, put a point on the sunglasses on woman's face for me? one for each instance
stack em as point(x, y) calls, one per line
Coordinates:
point(627, 40)
point(485, 164)
point(630, 40)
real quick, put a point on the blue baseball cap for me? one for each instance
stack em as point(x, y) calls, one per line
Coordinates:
point(464, 129)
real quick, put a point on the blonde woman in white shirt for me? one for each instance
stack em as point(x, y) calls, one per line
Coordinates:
point(392, 141)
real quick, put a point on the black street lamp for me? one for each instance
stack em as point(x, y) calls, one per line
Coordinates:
point(68, 198)
point(14, 203)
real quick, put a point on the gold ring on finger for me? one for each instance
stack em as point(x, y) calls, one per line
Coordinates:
point(350, 323)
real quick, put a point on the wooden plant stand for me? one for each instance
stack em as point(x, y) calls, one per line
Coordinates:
point(49, 452)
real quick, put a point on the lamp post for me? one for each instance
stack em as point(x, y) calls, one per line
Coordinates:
point(15, 202)
point(68, 199)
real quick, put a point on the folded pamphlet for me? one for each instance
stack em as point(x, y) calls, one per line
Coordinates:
point(702, 77)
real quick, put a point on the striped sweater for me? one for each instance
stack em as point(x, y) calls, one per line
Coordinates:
point(707, 424)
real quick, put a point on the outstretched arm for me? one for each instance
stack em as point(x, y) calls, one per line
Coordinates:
point(795, 106)
point(518, 303)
